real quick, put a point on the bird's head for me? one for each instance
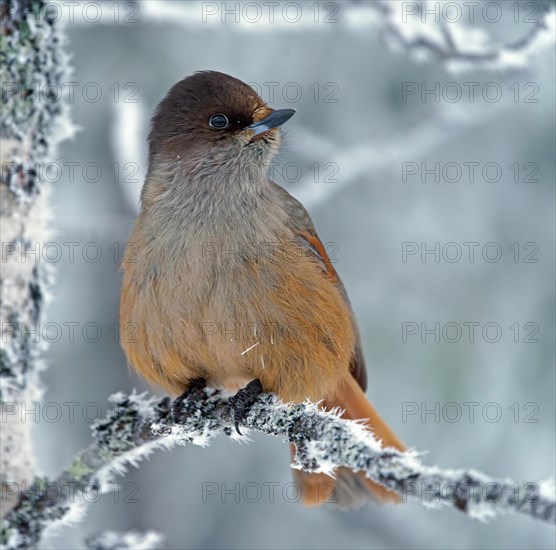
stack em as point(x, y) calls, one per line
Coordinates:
point(215, 119)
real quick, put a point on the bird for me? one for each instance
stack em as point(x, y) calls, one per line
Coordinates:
point(225, 281)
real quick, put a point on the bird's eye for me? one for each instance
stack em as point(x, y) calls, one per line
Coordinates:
point(218, 121)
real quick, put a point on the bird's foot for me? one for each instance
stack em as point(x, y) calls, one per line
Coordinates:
point(194, 390)
point(242, 401)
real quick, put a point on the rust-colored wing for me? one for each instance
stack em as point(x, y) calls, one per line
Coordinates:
point(303, 227)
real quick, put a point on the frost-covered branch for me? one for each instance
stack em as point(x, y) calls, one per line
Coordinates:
point(423, 28)
point(111, 540)
point(137, 425)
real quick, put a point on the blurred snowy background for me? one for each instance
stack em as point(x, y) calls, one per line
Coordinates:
point(357, 154)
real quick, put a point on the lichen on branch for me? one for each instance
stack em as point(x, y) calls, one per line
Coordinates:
point(136, 425)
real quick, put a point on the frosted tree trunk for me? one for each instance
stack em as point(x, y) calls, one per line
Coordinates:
point(34, 121)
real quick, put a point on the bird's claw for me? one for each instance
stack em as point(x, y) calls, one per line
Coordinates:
point(242, 401)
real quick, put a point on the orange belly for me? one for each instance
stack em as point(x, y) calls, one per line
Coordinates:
point(293, 331)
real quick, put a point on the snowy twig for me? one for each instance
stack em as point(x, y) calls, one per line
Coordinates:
point(138, 425)
point(111, 540)
point(458, 45)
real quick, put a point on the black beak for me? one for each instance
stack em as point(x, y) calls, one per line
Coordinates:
point(273, 120)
